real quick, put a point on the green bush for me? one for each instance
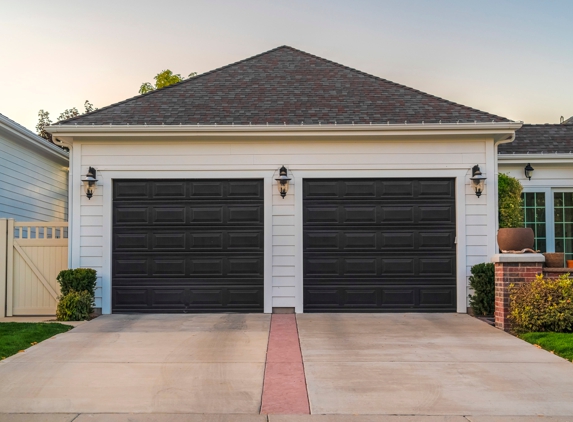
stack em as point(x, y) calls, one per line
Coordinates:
point(78, 279)
point(542, 305)
point(509, 202)
point(77, 287)
point(75, 306)
point(482, 281)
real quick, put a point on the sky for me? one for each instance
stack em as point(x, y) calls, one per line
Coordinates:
point(513, 58)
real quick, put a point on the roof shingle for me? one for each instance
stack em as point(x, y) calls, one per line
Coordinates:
point(283, 85)
point(540, 139)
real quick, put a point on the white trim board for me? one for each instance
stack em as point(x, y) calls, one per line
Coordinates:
point(460, 183)
point(106, 182)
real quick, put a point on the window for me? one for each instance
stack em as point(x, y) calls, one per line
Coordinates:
point(563, 214)
point(534, 216)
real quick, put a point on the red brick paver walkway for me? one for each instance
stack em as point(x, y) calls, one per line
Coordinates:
point(284, 389)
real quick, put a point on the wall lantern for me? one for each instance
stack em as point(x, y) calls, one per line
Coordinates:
point(528, 171)
point(283, 180)
point(478, 180)
point(89, 181)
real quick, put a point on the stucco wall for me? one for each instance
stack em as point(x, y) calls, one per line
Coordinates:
point(384, 158)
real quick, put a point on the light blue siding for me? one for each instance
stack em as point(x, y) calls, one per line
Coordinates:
point(33, 185)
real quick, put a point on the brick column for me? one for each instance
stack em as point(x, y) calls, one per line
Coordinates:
point(512, 269)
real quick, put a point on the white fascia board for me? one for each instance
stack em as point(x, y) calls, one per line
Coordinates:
point(498, 130)
point(535, 158)
point(33, 141)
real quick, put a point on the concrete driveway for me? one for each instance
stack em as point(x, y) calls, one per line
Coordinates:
point(416, 367)
point(427, 364)
point(143, 363)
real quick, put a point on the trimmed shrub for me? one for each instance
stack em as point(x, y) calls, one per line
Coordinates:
point(482, 281)
point(542, 305)
point(78, 279)
point(77, 287)
point(75, 306)
point(510, 202)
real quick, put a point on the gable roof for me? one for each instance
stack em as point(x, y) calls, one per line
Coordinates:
point(540, 139)
point(29, 139)
point(283, 86)
point(569, 121)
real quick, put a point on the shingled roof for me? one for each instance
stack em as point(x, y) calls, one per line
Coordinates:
point(283, 85)
point(538, 139)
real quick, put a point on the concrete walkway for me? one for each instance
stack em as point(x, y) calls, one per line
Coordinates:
point(210, 368)
point(428, 364)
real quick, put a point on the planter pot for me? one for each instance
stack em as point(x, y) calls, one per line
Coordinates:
point(570, 263)
point(515, 239)
point(554, 259)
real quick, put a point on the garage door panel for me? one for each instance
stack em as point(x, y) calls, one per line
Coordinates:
point(188, 299)
point(377, 299)
point(188, 246)
point(374, 245)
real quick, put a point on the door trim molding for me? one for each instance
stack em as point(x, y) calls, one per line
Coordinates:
point(459, 177)
point(105, 183)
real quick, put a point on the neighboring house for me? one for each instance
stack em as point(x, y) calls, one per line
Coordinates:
point(380, 215)
point(33, 175)
point(548, 196)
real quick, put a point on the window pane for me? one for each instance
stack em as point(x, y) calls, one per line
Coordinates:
point(540, 199)
point(568, 199)
point(559, 245)
point(541, 245)
point(559, 232)
point(558, 199)
point(568, 215)
point(540, 214)
point(540, 230)
point(568, 230)
point(529, 214)
point(530, 199)
point(558, 214)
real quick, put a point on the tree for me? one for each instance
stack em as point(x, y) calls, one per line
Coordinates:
point(163, 79)
point(45, 121)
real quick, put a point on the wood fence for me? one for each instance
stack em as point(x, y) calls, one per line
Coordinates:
point(31, 256)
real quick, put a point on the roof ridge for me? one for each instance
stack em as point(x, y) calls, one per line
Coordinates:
point(391, 82)
point(194, 78)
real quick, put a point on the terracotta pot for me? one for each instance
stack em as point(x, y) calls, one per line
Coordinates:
point(570, 263)
point(515, 239)
point(554, 259)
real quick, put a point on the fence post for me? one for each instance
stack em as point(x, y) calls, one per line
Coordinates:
point(3, 264)
point(9, 267)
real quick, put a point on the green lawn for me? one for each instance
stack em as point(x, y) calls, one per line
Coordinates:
point(559, 343)
point(16, 336)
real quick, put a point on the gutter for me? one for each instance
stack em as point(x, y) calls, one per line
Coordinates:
point(501, 130)
point(536, 158)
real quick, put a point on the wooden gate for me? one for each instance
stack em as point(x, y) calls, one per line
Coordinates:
point(31, 256)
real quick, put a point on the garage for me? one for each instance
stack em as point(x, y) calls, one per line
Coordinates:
point(379, 245)
point(188, 245)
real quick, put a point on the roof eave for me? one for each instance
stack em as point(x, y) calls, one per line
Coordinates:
point(499, 130)
point(536, 158)
point(32, 140)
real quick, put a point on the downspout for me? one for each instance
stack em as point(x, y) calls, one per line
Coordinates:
point(495, 175)
point(70, 195)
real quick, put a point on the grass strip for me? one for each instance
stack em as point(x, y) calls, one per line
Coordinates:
point(559, 343)
point(16, 336)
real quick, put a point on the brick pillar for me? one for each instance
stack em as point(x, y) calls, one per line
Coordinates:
point(512, 269)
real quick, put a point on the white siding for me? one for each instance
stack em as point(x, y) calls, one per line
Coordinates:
point(32, 186)
point(162, 159)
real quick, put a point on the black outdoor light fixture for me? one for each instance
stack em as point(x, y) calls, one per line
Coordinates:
point(478, 180)
point(283, 180)
point(89, 181)
point(528, 171)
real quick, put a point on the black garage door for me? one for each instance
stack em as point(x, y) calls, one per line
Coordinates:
point(187, 246)
point(379, 245)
